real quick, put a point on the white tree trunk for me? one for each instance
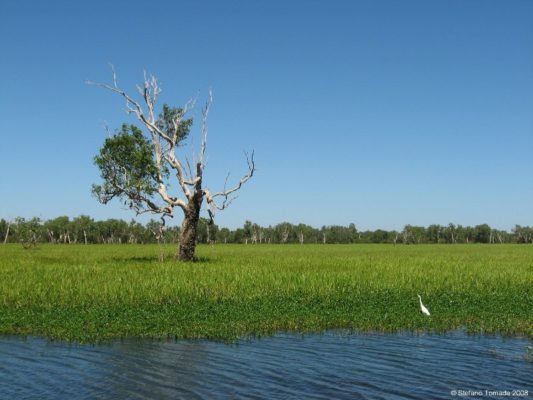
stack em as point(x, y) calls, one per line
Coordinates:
point(7, 233)
point(165, 145)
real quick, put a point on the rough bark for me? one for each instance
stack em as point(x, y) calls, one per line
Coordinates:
point(189, 229)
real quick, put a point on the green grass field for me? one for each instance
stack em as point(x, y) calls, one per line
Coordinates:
point(92, 293)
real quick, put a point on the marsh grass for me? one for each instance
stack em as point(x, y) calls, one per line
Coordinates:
point(93, 293)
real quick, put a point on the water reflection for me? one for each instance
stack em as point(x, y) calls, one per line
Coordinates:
point(332, 365)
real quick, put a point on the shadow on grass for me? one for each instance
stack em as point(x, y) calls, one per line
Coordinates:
point(201, 260)
point(155, 259)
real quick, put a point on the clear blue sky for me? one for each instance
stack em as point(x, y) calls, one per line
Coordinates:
point(380, 113)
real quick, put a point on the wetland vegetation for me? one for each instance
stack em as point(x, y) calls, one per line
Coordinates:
point(90, 293)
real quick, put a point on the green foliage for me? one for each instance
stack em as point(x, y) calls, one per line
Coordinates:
point(206, 231)
point(523, 234)
point(28, 231)
point(482, 233)
point(3, 229)
point(91, 293)
point(83, 228)
point(127, 162)
point(166, 124)
point(64, 230)
point(57, 229)
point(127, 167)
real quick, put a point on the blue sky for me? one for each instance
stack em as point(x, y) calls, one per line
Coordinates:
point(381, 113)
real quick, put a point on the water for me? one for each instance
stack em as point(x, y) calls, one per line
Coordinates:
point(334, 365)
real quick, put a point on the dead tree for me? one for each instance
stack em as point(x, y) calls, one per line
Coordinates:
point(7, 232)
point(157, 199)
point(158, 230)
point(208, 231)
point(285, 235)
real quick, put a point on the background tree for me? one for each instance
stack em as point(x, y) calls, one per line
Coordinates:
point(482, 233)
point(207, 231)
point(434, 233)
point(377, 236)
point(223, 235)
point(83, 229)
point(413, 234)
point(450, 233)
point(284, 233)
point(58, 229)
point(28, 231)
point(5, 227)
point(247, 231)
point(137, 167)
point(135, 232)
point(523, 234)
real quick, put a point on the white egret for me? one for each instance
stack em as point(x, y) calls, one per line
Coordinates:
point(423, 308)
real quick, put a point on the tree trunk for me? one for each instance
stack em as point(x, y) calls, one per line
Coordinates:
point(7, 233)
point(189, 229)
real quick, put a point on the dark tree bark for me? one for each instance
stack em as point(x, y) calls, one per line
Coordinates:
point(189, 229)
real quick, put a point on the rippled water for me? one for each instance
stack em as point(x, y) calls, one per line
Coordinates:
point(329, 366)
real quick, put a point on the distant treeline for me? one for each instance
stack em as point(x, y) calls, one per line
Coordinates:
point(84, 229)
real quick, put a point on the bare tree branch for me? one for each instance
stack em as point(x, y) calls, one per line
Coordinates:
point(165, 138)
point(205, 115)
point(210, 198)
point(150, 93)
